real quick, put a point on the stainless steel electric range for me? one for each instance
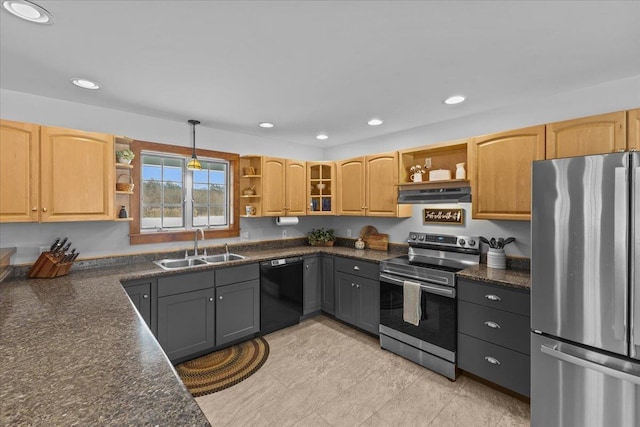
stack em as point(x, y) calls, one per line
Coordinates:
point(432, 263)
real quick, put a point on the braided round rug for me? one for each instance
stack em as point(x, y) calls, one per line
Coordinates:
point(224, 368)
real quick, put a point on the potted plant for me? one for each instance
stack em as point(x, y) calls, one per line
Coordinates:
point(125, 156)
point(321, 237)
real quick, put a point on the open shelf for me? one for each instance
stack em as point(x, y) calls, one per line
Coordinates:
point(123, 166)
point(124, 219)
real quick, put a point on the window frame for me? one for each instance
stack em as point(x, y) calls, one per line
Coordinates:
point(136, 236)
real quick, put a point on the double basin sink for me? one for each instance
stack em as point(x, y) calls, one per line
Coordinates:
point(178, 263)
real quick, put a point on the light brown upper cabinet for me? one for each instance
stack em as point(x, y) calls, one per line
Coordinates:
point(76, 175)
point(321, 186)
point(53, 174)
point(367, 186)
point(605, 133)
point(500, 172)
point(633, 129)
point(19, 171)
point(284, 183)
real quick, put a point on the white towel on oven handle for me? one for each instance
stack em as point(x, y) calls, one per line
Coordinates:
point(412, 310)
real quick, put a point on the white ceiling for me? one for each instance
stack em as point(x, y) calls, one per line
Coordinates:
point(318, 66)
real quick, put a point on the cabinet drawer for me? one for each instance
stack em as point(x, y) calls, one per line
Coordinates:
point(496, 296)
point(496, 326)
point(240, 273)
point(359, 268)
point(185, 282)
point(509, 369)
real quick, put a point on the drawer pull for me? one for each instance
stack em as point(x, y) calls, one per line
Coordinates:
point(492, 297)
point(492, 360)
point(355, 267)
point(145, 296)
point(492, 325)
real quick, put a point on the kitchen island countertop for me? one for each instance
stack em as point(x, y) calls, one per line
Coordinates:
point(74, 350)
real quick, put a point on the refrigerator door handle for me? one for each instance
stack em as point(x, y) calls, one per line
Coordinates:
point(621, 215)
point(578, 361)
point(635, 257)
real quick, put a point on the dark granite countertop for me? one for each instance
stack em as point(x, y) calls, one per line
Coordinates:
point(74, 351)
point(520, 279)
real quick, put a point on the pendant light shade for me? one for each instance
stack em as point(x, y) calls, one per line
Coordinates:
point(194, 164)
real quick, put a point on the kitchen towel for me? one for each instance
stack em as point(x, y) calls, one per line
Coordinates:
point(412, 312)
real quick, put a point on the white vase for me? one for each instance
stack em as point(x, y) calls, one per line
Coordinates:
point(496, 258)
point(460, 172)
point(124, 161)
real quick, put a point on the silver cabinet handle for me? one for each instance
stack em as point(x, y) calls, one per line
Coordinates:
point(353, 284)
point(492, 297)
point(145, 296)
point(308, 266)
point(33, 209)
point(491, 324)
point(357, 286)
point(44, 209)
point(575, 360)
point(211, 299)
point(220, 297)
point(492, 360)
point(355, 267)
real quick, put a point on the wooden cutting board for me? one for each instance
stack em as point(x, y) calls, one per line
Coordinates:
point(379, 242)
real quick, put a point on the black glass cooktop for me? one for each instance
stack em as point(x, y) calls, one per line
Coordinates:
point(451, 266)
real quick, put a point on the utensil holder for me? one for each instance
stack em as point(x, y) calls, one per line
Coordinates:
point(496, 258)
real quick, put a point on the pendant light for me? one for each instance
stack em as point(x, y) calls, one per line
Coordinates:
point(194, 164)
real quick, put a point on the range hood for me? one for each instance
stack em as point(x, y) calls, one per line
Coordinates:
point(434, 192)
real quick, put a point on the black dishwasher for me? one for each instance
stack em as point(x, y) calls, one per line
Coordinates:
point(280, 293)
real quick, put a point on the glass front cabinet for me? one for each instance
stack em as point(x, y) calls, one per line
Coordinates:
point(321, 188)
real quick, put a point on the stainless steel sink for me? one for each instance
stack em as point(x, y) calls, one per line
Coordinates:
point(212, 259)
point(178, 263)
point(174, 264)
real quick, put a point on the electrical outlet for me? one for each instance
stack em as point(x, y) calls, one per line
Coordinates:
point(244, 236)
point(348, 232)
point(427, 163)
point(284, 234)
point(44, 249)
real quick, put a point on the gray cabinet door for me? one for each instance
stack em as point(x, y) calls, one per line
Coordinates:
point(140, 296)
point(311, 284)
point(146, 306)
point(328, 288)
point(237, 311)
point(368, 300)
point(186, 323)
point(346, 298)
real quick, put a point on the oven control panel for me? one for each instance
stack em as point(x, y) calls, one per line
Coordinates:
point(444, 240)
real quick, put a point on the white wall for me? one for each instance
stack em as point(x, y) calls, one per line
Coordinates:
point(108, 238)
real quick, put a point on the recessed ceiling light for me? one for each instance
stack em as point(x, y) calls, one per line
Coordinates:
point(456, 99)
point(265, 125)
point(28, 11)
point(322, 136)
point(85, 84)
point(374, 122)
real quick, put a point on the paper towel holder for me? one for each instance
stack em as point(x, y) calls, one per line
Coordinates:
point(287, 220)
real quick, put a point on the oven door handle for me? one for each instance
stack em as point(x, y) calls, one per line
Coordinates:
point(439, 290)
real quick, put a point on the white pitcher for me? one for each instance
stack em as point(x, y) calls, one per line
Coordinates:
point(460, 172)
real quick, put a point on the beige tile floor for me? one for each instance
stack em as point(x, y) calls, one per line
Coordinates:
point(323, 373)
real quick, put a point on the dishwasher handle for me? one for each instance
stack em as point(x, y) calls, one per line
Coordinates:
point(280, 263)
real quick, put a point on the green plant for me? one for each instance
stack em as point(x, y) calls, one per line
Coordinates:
point(125, 154)
point(317, 235)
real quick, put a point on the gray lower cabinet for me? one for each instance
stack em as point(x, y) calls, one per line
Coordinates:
point(237, 311)
point(186, 313)
point(493, 333)
point(142, 295)
point(357, 297)
point(312, 280)
point(328, 288)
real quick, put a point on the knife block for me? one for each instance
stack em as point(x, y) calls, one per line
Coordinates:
point(49, 266)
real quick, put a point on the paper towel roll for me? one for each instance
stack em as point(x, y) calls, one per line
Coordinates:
point(287, 220)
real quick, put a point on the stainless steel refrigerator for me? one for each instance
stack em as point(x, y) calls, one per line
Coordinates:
point(585, 292)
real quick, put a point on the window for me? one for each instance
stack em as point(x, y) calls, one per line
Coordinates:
point(173, 200)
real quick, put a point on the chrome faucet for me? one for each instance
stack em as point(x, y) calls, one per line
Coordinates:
point(195, 242)
point(226, 249)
